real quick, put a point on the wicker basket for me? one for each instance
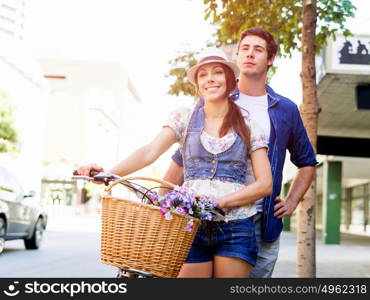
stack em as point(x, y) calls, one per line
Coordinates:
point(136, 235)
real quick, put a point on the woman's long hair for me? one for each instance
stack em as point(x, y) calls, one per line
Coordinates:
point(234, 118)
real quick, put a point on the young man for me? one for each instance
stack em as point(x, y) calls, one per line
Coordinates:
point(283, 127)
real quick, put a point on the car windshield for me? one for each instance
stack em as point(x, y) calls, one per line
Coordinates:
point(9, 187)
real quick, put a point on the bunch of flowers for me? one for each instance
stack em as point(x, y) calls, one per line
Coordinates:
point(185, 201)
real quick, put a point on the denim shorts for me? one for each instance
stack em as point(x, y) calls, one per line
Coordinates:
point(236, 238)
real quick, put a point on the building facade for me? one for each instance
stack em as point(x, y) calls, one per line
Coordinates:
point(22, 82)
point(86, 116)
point(12, 18)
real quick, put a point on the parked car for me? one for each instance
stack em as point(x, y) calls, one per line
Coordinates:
point(21, 215)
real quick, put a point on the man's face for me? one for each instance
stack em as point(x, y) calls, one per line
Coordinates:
point(252, 56)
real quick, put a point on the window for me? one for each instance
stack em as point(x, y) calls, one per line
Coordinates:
point(10, 190)
point(358, 211)
point(363, 96)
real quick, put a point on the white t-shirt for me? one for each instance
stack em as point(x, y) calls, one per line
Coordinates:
point(255, 109)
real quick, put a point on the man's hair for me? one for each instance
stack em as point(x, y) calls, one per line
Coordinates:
point(263, 34)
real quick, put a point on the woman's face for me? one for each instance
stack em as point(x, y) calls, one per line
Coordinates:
point(211, 80)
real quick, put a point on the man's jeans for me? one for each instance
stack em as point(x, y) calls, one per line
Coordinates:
point(267, 253)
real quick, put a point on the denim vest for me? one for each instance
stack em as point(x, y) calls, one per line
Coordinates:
point(230, 165)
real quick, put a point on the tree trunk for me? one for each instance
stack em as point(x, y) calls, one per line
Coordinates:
point(306, 250)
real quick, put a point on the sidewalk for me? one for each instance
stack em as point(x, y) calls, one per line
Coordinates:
point(349, 259)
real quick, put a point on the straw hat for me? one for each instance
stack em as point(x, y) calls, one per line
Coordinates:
point(211, 55)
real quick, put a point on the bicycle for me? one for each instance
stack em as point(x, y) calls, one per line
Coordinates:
point(146, 197)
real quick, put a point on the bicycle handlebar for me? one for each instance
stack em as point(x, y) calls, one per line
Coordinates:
point(103, 177)
point(110, 180)
point(92, 173)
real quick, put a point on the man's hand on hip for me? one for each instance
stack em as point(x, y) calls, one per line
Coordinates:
point(300, 184)
point(284, 208)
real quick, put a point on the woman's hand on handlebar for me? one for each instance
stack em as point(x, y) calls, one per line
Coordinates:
point(89, 170)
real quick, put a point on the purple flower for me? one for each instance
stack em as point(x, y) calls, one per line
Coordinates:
point(207, 216)
point(168, 216)
point(181, 210)
point(182, 200)
point(189, 226)
point(166, 204)
point(163, 210)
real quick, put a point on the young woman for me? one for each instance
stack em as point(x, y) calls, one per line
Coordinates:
point(215, 142)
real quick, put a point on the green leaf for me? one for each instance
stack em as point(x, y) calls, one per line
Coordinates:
point(283, 18)
point(8, 134)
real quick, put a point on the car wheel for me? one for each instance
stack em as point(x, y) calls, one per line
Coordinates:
point(35, 241)
point(2, 234)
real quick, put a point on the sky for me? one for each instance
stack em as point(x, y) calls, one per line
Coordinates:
point(143, 35)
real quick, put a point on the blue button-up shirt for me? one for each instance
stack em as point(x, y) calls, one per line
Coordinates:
point(287, 133)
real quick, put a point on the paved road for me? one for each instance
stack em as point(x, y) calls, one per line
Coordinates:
point(71, 249)
point(62, 255)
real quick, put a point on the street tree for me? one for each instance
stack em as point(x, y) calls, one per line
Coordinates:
point(303, 25)
point(8, 133)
